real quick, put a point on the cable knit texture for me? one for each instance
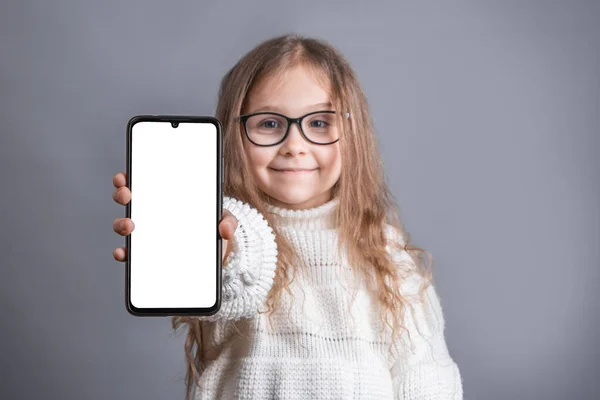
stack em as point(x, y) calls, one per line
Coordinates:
point(326, 340)
point(249, 269)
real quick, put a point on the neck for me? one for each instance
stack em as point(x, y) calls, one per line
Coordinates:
point(311, 203)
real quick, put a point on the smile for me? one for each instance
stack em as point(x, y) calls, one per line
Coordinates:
point(293, 171)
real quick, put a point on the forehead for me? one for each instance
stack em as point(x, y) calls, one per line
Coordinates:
point(296, 89)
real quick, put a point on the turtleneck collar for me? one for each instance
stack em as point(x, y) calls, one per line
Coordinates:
point(319, 217)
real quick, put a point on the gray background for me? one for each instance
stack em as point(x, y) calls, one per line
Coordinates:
point(488, 119)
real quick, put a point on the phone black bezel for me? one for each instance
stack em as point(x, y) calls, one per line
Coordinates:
point(197, 311)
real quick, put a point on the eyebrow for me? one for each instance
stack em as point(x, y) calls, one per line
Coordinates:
point(277, 109)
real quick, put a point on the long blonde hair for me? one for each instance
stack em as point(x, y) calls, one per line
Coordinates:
point(366, 203)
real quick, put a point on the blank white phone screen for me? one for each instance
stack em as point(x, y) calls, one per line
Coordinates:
point(174, 178)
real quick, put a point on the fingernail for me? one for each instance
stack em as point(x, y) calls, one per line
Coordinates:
point(122, 225)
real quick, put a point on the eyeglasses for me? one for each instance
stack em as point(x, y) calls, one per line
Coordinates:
point(270, 129)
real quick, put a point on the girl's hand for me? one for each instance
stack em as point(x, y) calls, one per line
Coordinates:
point(124, 226)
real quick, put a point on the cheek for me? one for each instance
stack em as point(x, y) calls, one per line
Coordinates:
point(330, 160)
point(259, 157)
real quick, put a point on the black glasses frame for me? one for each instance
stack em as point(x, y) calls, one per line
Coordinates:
point(290, 121)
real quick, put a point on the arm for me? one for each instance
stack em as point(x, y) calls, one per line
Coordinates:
point(249, 269)
point(425, 370)
point(422, 368)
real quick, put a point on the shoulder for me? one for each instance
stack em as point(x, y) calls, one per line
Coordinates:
point(416, 285)
point(393, 234)
point(395, 246)
point(412, 278)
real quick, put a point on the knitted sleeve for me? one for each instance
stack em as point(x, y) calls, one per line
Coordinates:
point(422, 367)
point(249, 269)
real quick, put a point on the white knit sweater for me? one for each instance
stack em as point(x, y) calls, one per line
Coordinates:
point(321, 345)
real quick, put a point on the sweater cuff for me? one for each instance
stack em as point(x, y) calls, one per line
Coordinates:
point(430, 381)
point(249, 269)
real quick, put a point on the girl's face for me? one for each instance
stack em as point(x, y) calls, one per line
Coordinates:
point(295, 94)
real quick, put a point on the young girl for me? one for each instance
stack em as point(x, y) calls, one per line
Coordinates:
point(323, 298)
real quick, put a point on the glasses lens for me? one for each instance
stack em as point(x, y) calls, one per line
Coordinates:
point(266, 129)
point(320, 127)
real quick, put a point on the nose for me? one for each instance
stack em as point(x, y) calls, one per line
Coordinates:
point(295, 141)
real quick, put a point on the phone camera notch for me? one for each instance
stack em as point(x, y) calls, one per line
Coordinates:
point(174, 124)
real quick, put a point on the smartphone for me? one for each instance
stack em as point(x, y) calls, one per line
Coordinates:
point(175, 174)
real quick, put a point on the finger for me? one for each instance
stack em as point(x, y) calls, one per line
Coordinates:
point(123, 226)
point(122, 195)
point(228, 226)
point(120, 254)
point(232, 222)
point(225, 230)
point(229, 218)
point(120, 179)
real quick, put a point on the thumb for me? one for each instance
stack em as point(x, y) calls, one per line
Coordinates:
point(228, 225)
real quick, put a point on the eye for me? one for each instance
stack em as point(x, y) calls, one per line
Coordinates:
point(318, 123)
point(269, 123)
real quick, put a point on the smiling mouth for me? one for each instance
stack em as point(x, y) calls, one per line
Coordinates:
point(293, 171)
